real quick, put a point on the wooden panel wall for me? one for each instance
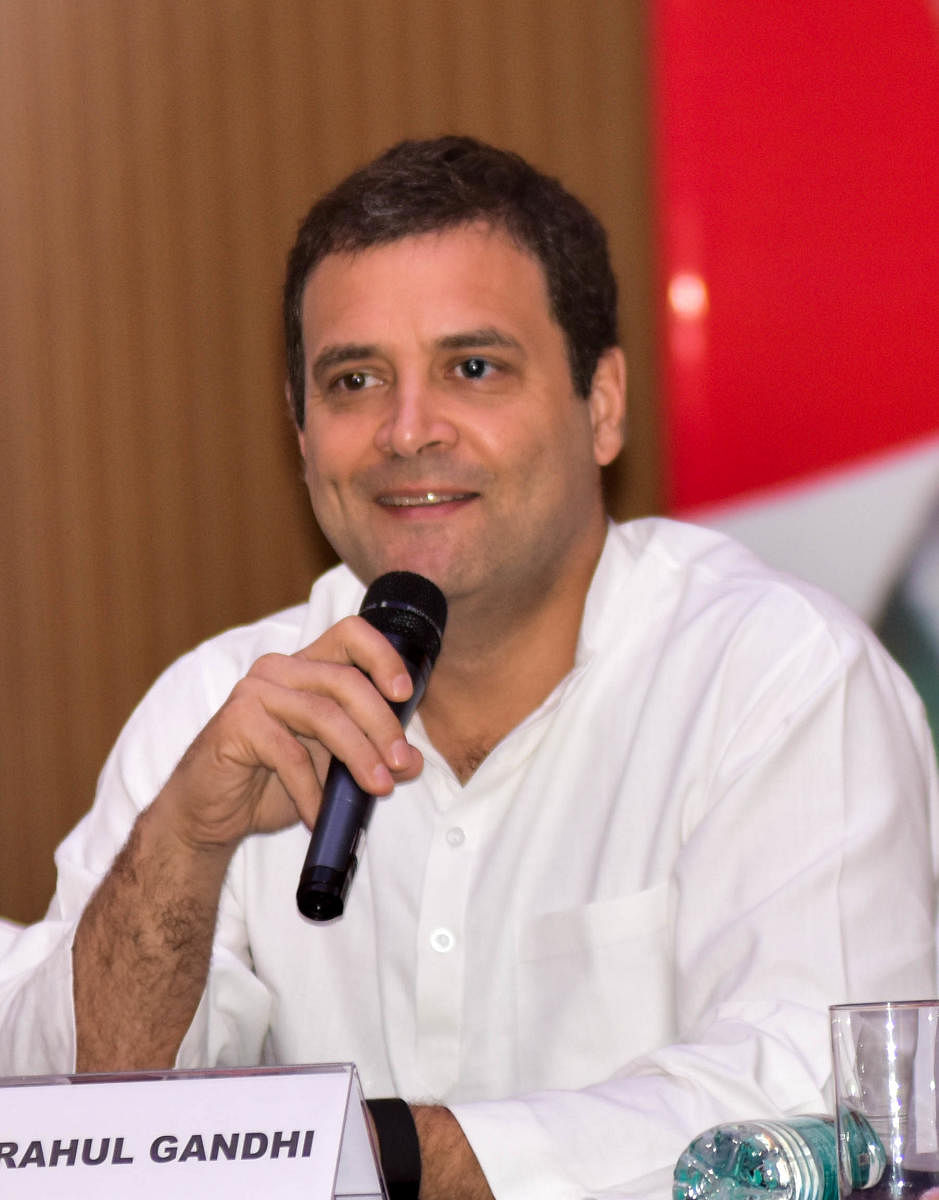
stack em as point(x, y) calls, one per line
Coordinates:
point(156, 156)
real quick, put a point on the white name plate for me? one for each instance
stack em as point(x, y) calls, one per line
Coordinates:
point(285, 1132)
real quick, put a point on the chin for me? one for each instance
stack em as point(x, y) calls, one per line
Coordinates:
point(368, 572)
point(436, 567)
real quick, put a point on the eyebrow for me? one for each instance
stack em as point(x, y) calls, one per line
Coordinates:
point(332, 356)
point(481, 338)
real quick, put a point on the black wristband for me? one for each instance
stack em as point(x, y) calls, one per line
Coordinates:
point(398, 1147)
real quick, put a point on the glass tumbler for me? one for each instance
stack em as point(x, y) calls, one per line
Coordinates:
point(885, 1082)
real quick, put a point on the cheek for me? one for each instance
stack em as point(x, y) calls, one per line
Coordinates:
point(558, 446)
point(329, 452)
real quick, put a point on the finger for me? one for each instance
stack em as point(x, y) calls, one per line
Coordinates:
point(292, 788)
point(355, 642)
point(351, 722)
point(319, 686)
point(236, 779)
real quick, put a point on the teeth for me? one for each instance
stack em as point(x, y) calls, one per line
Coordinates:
point(427, 498)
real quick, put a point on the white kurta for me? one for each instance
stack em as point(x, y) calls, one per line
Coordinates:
point(630, 922)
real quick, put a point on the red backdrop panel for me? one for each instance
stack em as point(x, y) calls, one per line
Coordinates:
point(797, 164)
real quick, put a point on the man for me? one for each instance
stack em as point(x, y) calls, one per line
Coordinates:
point(645, 823)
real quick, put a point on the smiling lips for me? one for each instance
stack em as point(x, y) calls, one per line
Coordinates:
point(424, 499)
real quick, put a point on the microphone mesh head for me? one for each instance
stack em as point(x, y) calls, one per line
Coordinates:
point(407, 603)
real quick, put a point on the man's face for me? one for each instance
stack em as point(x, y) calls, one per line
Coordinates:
point(442, 432)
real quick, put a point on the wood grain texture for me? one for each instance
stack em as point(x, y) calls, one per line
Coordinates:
point(156, 158)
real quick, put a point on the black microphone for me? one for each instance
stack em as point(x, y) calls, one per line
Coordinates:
point(411, 612)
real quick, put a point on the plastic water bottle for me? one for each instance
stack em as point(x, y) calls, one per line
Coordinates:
point(791, 1159)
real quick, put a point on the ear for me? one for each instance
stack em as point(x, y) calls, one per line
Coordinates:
point(607, 401)
point(301, 433)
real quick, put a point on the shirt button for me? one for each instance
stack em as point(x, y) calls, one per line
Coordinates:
point(442, 940)
point(456, 836)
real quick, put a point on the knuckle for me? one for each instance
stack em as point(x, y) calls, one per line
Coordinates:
point(243, 695)
point(267, 666)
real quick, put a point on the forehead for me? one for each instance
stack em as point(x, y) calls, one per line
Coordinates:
point(465, 277)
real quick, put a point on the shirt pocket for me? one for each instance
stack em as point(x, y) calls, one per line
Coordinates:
point(594, 989)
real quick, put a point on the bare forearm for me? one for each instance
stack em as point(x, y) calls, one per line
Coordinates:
point(449, 1168)
point(142, 949)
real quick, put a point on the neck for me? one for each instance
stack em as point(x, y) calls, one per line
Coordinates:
point(499, 663)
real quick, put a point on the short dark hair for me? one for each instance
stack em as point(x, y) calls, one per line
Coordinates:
point(425, 186)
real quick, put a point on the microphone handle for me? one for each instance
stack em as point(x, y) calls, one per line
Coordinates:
point(332, 858)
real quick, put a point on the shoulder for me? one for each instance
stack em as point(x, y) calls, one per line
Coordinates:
point(702, 605)
point(695, 571)
point(755, 663)
point(215, 665)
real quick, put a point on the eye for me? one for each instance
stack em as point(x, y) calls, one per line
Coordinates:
point(475, 368)
point(353, 381)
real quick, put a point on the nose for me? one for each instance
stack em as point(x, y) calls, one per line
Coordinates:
point(414, 421)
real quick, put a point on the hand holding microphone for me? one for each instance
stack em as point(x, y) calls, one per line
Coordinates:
point(411, 612)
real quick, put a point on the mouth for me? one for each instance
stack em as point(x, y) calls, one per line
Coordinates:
point(428, 499)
